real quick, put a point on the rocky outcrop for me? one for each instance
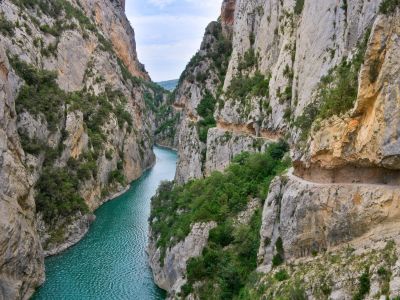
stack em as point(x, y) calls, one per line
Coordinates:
point(223, 145)
point(110, 17)
point(271, 41)
point(72, 112)
point(367, 136)
point(200, 78)
point(343, 190)
point(316, 217)
point(170, 269)
point(21, 258)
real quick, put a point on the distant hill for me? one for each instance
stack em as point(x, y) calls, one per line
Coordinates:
point(169, 85)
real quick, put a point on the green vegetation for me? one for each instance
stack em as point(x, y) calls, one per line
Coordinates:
point(245, 84)
point(364, 285)
point(126, 74)
point(169, 85)
point(57, 188)
point(281, 275)
point(57, 9)
point(225, 271)
point(280, 253)
point(249, 60)
point(221, 54)
point(117, 176)
point(6, 27)
point(337, 91)
point(217, 53)
point(374, 70)
point(31, 146)
point(298, 8)
point(388, 6)
point(40, 94)
point(206, 110)
point(168, 127)
point(57, 194)
point(318, 275)
point(231, 254)
point(242, 86)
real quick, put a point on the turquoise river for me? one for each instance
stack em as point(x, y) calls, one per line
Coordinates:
point(110, 262)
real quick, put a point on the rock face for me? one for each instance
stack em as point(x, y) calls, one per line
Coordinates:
point(114, 23)
point(223, 145)
point(368, 135)
point(200, 78)
point(21, 255)
point(170, 273)
point(89, 121)
point(316, 217)
point(343, 189)
point(271, 38)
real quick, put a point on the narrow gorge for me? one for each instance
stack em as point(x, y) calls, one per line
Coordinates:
point(286, 124)
point(311, 88)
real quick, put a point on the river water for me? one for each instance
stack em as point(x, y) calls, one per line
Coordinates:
point(110, 262)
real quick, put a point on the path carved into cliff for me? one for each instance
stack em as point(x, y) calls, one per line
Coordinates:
point(348, 175)
point(248, 129)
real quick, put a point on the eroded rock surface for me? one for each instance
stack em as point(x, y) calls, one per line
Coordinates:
point(101, 132)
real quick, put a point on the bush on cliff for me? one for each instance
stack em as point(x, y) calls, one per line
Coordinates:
point(57, 194)
point(206, 110)
point(388, 6)
point(231, 253)
point(6, 26)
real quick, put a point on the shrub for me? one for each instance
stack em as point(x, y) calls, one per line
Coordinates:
point(249, 60)
point(222, 235)
point(123, 117)
point(364, 285)
point(374, 70)
point(206, 110)
point(231, 254)
point(278, 258)
point(57, 194)
point(281, 275)
point(388, 6)
point(40, 95)
point(31, 146)
point(117, 176)
point(337, 91)
point(86, 170)
point(242, 86)
point(6, 27)
point(382, 272)
point(298, 8)
point(297, 292)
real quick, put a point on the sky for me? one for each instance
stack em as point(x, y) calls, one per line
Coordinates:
point(169, 32)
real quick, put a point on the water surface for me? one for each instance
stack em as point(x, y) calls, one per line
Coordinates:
point(110, 262)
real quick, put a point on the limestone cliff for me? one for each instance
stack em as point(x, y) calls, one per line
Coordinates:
point(322, 75)
point(77, 120)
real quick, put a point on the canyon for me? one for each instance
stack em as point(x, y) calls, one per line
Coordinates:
point(77, 125)
point(322, 75)
point(286, 126)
